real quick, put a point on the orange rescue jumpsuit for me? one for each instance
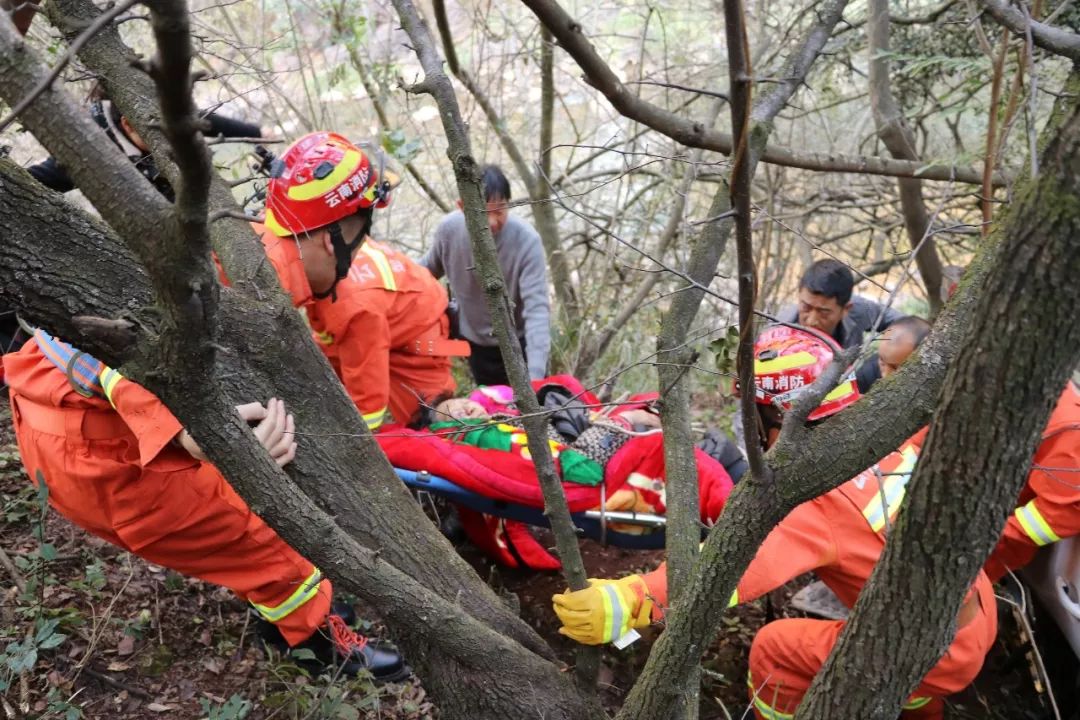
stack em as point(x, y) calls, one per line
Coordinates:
point(1049, 505)
point(107, 456)
point(386, 335)
point(840, 536)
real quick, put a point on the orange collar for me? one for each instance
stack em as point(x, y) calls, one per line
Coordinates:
point(284, 255)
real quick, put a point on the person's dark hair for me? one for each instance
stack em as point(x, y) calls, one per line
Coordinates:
point(496, 186)
point(829, 278)
point(915, 327)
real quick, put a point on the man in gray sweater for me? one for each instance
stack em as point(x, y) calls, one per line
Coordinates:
point(521, 258)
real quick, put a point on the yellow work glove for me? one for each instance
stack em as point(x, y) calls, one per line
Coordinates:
point(604, 611)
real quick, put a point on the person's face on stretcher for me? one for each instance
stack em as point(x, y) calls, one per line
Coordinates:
point(459, 409)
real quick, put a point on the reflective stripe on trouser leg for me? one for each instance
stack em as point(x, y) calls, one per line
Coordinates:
point(917, 702)
point(763, 708)
point(307, 590)
point(1035, 524)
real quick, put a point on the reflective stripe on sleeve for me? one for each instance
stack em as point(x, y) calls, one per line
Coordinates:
point(374, 419)
point(894, 489)
point(307, 590)
point(109, 380)
point(917, 702)
point(734, 599)
point(1035, 524)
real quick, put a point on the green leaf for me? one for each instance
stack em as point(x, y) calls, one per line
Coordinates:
point(347, 712)
point(46, 629)
point(23, 661)
point(302, 654)
point(52, 641)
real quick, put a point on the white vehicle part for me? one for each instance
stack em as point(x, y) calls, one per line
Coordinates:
point(1054, 577)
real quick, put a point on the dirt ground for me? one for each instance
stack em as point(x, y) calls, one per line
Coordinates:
point(141, 642)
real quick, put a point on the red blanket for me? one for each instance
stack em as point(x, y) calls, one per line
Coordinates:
point(633, 480)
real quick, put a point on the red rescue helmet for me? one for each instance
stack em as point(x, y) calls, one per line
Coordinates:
point(320, 179)
point(787, 359)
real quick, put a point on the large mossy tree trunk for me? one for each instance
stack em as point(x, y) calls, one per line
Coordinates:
point(1019, 351)
point(341, 504)
point(374, 508)
point(84, 274)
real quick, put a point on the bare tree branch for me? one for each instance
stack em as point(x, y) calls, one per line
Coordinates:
point(897, 136)
point(536, 182)
point(437, 84)
point(693, 134)
point(739, 78)
point(341, 27)
point(1048, 37)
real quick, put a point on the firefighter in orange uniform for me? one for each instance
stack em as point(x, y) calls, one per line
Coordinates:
point(118, 464)
point(380, 318)
point(394, 351)
point(839, 535)
point(1049, 505)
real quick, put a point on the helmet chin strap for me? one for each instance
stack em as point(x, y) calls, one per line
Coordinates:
point(343, 254)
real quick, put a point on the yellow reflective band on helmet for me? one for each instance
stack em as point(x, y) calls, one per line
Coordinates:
point(350, 161)
point(917, 702)
point(270, 223)
point(734, 599)
point(307, 590)
point(381, 264)
point(767, 711)
point(109, 380)
point(374, 419)
point(843, 390)
point(894, 489)
point(784, 362)
point(1035, 524)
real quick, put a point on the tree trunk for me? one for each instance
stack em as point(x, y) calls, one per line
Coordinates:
point(375, 508)
point(84, 270)
point(1025, 342)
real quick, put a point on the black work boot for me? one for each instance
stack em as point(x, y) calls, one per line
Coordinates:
point(336, 647)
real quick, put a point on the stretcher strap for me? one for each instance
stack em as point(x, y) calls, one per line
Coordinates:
point(82, 371)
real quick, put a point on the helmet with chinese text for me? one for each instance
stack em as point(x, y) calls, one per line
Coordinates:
point(786, 360)
point(321, 179)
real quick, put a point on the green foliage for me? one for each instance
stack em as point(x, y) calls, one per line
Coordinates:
point(236, 707)
point(20, 657)
point(725, 349)
point(399, 146)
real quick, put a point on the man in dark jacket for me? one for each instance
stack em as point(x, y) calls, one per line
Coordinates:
point(52, 174)
point(826, 303)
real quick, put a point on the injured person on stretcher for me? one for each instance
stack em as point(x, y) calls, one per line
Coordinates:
point(609, 457)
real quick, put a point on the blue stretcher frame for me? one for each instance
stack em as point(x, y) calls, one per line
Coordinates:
point(590, 523)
